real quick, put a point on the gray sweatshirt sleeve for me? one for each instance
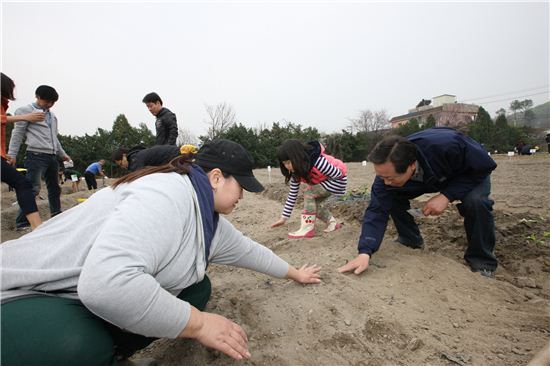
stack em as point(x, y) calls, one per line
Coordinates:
point(18, 133)
point(230, 246)
point(60, 152)
point(117, 282)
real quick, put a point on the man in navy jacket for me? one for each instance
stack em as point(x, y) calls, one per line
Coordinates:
point(435, 160)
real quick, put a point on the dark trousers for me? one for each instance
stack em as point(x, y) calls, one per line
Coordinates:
point(22, 186)
point(40, 166)
point(47, 330)
point(90, 180)
point(477, 210)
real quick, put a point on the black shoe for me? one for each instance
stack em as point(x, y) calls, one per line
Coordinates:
point(484, 272)
point(402, 241)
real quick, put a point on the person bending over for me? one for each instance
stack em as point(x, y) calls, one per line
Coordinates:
point(132, 267)
point(323, 175)
point(438, 160)
point(139, 157)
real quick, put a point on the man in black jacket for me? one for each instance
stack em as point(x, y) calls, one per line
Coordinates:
point(435, 160)
point(139, 157)
point(166, 124)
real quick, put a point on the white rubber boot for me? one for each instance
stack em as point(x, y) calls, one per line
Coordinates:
point(307, 229)
point(332, 225)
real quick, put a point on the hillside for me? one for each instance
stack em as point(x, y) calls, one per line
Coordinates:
point(542, 117)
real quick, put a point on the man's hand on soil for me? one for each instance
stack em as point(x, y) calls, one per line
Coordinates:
point(357, 265)
point(436, 205)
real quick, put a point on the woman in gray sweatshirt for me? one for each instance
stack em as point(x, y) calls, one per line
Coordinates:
point(109, 276)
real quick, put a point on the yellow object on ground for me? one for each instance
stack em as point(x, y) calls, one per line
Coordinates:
point(80, 200)
point(188, 149)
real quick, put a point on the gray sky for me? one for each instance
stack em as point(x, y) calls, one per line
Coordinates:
point(313, 63)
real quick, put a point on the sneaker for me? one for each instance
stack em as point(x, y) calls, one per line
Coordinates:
point(23, 229)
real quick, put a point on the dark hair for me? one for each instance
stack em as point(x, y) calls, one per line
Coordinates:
point(396, 149)
point(152, 98)
point(47, 93)
point(118, 153)
point(7, 87)
point(298, 154)
point(180, 164)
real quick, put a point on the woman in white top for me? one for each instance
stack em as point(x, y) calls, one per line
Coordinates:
point(109, 276)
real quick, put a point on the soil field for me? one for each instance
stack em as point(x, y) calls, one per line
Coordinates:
point(411, 307)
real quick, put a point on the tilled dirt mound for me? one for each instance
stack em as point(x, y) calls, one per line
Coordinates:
point(410, 307)
point(522, 239)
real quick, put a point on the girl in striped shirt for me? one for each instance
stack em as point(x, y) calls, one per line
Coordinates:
point(323, 174)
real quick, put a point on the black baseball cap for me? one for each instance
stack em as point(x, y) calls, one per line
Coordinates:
point(231, 158)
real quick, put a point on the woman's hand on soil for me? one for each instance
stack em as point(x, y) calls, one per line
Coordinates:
point(309, 274)
point(224, 335)
point(306, 274)
point(217, 332)
point(279, 222)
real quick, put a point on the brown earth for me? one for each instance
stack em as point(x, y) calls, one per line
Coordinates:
point(411, 307)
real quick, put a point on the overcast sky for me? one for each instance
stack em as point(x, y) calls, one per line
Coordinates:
point(313, 63)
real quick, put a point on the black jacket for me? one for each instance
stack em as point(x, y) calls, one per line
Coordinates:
point(167, 127)
point(139, 157)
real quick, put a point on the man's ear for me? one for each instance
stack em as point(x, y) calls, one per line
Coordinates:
point(412, 167)
point(214, 176)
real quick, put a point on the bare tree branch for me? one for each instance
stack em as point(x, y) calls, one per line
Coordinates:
point(220, 118)
point(185, 136)
point(369, 121)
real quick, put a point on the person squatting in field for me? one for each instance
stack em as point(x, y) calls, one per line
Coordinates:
point(107, 277)
point(439, 160)
point(139, 157)
point(323, 175)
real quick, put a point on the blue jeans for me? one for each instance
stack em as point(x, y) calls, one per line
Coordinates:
point(40, 165)
point(477, 210)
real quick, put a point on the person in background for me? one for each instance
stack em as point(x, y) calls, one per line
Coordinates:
point(519, 147)
point(43, 148)
point(323, 174)
point(434, 160)
point(166, 124)
point(547, 139)
point(73, 176)
point(136, 270)
point(139, 157)
point(92, 171)
point(23, 187)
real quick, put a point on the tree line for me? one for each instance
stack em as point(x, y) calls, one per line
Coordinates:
point(496, 136)
point(351, 144)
